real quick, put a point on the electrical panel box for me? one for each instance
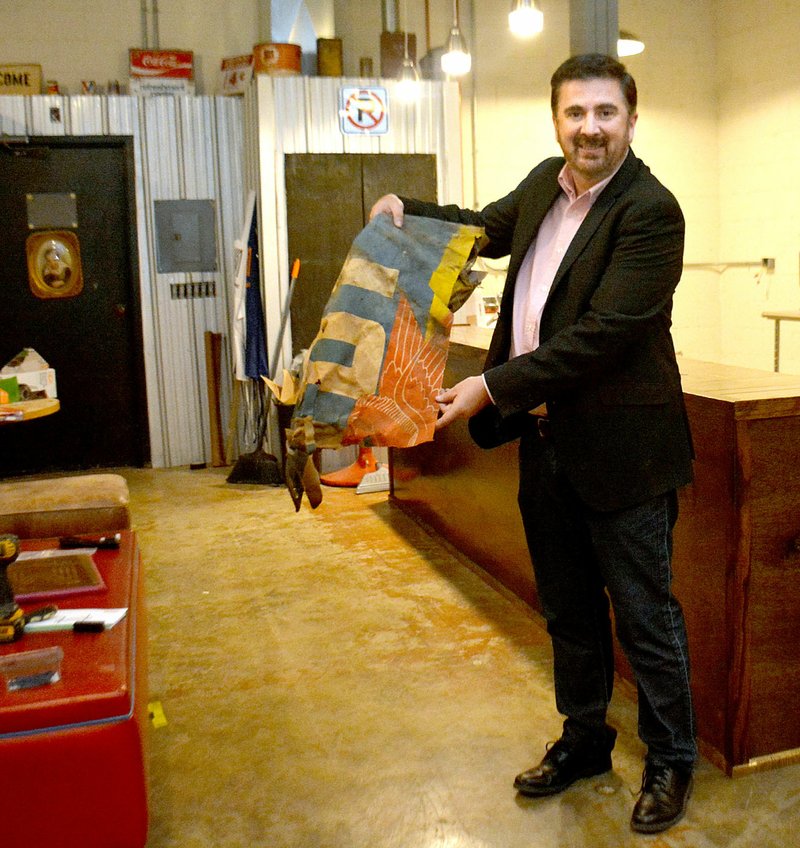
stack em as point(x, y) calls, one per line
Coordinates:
point(186, 236)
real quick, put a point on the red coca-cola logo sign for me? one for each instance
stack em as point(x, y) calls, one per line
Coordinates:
point(161, 63)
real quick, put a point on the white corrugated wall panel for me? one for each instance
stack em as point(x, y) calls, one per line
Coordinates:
point(232, 196)
point(184, 148)
point(49, 115)
point(13, 115)
point(87, 115)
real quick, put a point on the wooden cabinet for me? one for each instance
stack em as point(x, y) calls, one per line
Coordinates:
point(737, 563)
point(737, 546)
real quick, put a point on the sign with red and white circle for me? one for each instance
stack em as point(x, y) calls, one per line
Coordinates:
point(363, 110)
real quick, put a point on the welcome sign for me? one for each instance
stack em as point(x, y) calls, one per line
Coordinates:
point(20, 79)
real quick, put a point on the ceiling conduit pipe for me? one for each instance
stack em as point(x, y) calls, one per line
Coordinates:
point(474, 105)
point(145, 28)
point(390, 15)
point(156, 37)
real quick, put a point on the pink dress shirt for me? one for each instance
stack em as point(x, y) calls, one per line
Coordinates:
point(544, 256)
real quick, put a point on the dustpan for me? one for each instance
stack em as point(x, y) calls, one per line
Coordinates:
point(259, 466)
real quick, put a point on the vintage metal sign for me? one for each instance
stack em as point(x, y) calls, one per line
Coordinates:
point(20, 79)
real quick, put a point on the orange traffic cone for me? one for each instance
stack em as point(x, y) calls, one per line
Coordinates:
point(353, 474)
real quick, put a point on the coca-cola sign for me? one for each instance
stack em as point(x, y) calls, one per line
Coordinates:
point(176, 64)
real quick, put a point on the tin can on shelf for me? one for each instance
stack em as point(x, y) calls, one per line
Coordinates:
point(277, 59)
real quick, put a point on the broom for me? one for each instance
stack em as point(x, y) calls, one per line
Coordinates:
point(259, 466)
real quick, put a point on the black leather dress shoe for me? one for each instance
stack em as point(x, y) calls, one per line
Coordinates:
point(665, 793)
point(564, 763)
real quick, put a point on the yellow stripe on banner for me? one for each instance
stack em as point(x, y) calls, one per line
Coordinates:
point(444, 278)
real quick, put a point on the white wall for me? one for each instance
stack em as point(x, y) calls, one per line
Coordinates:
point(759, 127)
point(75, 40)
point(719, 113)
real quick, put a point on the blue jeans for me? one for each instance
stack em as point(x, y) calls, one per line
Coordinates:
point(583, 558)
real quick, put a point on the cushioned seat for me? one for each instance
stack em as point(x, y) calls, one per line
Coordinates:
point(64, 506)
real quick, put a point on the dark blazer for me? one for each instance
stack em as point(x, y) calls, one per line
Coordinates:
point(606, 363)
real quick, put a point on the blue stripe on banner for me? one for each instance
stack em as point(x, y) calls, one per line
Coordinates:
point(366, 304)
point(416, 250)
point(332, 350)
point(307, 401)
point(327, 407)
point(333, 409)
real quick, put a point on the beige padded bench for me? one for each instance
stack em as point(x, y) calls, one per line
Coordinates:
point(64, 506)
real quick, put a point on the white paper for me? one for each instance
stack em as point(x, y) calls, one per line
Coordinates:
point(51, 553)
point(65, 619)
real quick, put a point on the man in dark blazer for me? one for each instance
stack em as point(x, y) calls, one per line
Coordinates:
point(582, 369)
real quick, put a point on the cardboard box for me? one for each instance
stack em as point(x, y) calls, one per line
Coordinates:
point(33, 376)
point(33, 384)
point(20, 79)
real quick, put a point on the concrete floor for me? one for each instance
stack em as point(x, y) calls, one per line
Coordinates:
point(339, 679)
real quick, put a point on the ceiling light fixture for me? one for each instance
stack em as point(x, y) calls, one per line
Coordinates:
point(456, 60)
point(628, 44)
point(525, 18)
point(408, 85)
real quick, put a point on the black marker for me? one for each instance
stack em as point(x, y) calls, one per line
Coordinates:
point(88, 627)
point(97, 542)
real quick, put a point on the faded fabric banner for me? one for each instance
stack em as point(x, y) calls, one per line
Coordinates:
point(377, 363)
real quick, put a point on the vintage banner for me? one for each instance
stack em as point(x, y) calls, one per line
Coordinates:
point(372, 372)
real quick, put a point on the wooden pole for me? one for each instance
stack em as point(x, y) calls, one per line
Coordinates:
point(213, 344)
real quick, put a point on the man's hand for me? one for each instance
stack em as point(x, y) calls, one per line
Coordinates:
point(391, 205)
point(462, 401)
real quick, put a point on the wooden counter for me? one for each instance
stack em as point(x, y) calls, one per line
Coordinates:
point(737, 544)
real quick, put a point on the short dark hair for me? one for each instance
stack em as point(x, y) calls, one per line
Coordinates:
point(593, 66)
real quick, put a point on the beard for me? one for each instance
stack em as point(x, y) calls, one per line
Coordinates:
point(590, 155)
point(593, 157)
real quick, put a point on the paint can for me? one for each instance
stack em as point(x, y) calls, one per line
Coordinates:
point(277, 59)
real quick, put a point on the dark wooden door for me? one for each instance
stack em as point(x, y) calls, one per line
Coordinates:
point(92, 339)
point(328, 198)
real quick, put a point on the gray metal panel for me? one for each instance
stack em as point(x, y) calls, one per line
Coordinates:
point(52, 211)
point(185, 235)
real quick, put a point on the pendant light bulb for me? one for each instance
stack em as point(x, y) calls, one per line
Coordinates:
point(525, 19)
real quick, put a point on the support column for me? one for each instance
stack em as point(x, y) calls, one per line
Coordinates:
point(593, 26)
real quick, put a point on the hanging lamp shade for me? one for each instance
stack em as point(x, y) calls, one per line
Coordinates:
point(408, 84)
point(628, 44)
point(456, 60)
point(525, 18)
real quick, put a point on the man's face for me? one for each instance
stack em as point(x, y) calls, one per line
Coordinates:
point(593, 128)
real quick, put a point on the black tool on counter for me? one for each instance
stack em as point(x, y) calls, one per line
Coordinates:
point(96, 542)
point(12, 619)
